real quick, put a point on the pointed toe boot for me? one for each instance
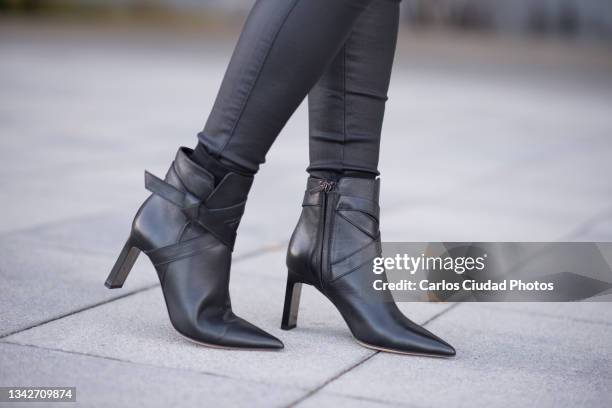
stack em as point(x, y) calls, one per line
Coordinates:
point(332, 247)
point(187, 229)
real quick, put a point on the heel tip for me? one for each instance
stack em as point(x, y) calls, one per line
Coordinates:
point(288, 326)
point(110, 285)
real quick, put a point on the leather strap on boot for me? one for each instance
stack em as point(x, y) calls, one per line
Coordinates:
point(345, 208)
point(215, 220)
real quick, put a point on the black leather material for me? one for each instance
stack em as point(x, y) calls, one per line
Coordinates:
point(332, 246)
point(285, 48)
point(187, 228)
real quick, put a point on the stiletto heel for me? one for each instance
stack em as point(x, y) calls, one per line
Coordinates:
point(123, 266)
point(292, 303)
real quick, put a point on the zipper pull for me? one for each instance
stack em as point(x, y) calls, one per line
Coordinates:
point(327, 185)
point(324, 185)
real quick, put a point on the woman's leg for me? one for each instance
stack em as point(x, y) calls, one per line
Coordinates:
point(347, 105)
point(285, 47)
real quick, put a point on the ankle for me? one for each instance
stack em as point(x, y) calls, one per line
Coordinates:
point(217, 166)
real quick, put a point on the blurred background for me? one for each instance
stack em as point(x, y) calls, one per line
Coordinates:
point(509, 98)
point(498, 128)
point(573, 18)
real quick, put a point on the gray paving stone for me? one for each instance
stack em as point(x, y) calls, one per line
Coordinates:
point(102, 382)
point(502, 360)
point(594, 312)
point(32, 200)
point(519, 199)
point(102, 234)
point(440, 222)
point(136, 328)
point(41, 283)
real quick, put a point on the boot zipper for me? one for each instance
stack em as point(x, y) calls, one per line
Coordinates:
point(326, 187)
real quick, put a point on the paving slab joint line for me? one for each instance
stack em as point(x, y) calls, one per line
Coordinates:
point(358, 363)
point(330, 380)
point(434, 317)
point(374, 400)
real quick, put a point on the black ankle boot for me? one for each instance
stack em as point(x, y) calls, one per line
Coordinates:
point(331, 248)
point(187, 229)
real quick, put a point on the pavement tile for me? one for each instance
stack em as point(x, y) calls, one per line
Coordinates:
point(102, 234)
point(438, 222)
point(41, 283)
point(62, 195)
point(101, 382)
point(502, 360)
point(593, 312)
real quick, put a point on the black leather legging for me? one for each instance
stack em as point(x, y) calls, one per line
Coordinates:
point(338, 52)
